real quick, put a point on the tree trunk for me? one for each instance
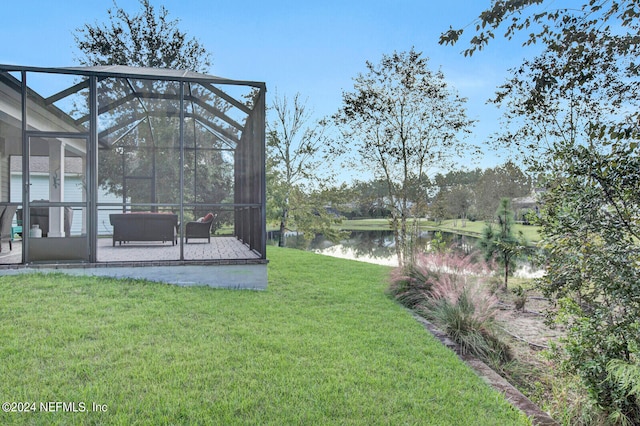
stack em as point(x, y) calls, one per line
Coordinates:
point(282, 241)
point(397, 238)
point(404, 246)
point(506, 273)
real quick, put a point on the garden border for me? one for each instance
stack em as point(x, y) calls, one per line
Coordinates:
point(486, 373)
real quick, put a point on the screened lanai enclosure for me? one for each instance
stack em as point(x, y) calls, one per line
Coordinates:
point(115, 167)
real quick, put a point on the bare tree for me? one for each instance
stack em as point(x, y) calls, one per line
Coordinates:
point(294, 158)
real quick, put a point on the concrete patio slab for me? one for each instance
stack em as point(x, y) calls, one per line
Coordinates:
point(224, 263)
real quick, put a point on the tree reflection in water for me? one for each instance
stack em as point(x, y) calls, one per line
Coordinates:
point(371, 246)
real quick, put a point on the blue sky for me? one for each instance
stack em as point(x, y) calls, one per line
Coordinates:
point(314, 48)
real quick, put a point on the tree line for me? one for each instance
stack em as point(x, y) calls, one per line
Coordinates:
point(459, 195)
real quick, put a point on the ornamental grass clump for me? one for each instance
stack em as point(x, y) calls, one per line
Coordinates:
point(451, 290)
point(465, 310)
point(411, 284)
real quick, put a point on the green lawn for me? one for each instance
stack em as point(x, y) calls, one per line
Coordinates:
point(531, 233)
point(323, 345)
point(365, 224)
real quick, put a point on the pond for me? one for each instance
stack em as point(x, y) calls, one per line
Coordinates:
point(379, 247)
point(369, 246)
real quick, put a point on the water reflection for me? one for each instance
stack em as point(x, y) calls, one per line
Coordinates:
point(371, 246)
point(379, 247)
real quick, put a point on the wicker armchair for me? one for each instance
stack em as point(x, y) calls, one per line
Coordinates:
point(200, 228)
point(6, 217)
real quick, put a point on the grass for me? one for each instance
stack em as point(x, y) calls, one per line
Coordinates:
point(365, 225)
point(473, 229)
point(318, 347)
point(531, 233)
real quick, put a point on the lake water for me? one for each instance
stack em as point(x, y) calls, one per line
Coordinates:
point(379, 247)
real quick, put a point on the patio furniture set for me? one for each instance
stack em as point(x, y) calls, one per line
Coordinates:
point(149, 226)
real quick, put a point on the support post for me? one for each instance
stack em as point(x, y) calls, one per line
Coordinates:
point(56, 188)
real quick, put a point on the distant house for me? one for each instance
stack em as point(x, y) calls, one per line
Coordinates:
point(522, 206)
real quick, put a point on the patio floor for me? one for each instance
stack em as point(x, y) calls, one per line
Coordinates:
point(11, 257)
point(220, 248)
point(236, 266)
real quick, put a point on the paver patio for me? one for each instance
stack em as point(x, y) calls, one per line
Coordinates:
point(220, 248)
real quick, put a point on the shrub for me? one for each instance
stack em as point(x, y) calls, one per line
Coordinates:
point(472, 331)
point(461, 304)
point(520, 298)
point(450, 289)
point(410, 284)
point(437, 243)
point(627, 376)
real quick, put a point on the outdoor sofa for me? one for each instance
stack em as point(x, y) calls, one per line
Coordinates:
point(144, 226)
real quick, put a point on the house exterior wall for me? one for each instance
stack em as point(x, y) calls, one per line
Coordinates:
point(4, 172)
point(40, 191)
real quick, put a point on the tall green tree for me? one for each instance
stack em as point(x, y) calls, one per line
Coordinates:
point(453, 178)
point(145, 39)
point(368, 199)
point(404, 120)
point(573, 111)
point(295, 161)
point(590, 231)
point(501, 242)
point(141, 165)
point(438, 210)
point(503, 181)
point(459, 202)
